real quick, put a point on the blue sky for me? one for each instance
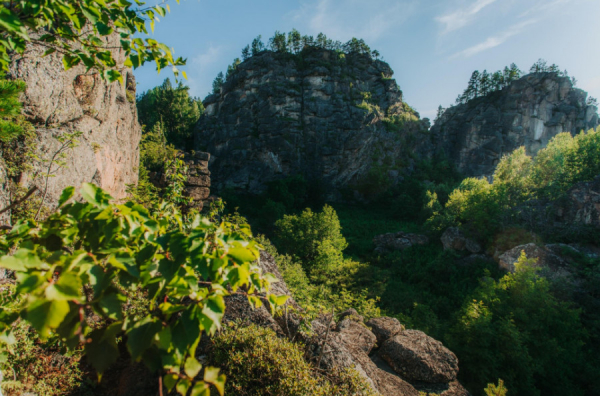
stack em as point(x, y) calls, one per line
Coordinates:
point(432, 45)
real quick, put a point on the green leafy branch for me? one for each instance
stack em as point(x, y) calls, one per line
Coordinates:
point(83, 259)
point(78, 30)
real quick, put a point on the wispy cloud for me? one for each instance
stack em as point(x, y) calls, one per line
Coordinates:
point(205, 67)
point(494, 41)
point(543, 6)
point(462, 17)
point(342, 20)
point(209, 57)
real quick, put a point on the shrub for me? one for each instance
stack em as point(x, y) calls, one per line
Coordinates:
point(311, 235)
point(257, 362)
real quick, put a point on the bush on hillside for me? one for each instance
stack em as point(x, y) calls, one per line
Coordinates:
point(257, 362)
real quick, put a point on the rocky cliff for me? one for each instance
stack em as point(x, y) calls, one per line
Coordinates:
point(332, 117)
point(58, 102)
point(528, 112)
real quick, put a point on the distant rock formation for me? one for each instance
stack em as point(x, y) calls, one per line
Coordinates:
point(58, 101)
point(336, 118)
point(528, 112)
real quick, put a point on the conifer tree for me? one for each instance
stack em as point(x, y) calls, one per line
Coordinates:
point(257, 45)
point(246, 53)
point(173, 108)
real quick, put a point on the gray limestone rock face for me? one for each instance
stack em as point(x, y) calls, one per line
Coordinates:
point(529, 112)
point(418, 357)
point(58, 102)
point(319, 115)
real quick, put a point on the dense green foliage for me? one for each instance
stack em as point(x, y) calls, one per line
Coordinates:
point(258, 362)
point(482, 208)
point(83, 258)
point(171, 111)
point(77, 28)
point(516, 329)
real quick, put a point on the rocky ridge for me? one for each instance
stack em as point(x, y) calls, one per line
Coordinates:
point(328, 116)
point(529, 112)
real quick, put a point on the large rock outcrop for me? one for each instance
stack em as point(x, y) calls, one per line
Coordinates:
point(528, 112)
point(327, 116)
point(58, 102)
point(394, 361)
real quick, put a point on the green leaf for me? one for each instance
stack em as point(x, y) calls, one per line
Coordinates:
point(141, 336)
point(241, 254)
point(103, 29)
point(170, 380)
point(212, 376)
point(192, 367)
point(95, 195)
point(46, 315)
point(183, 386)
point(48, 52)
point(200, 389)
point(66, 195)
point(101, 348)
point(66, 288)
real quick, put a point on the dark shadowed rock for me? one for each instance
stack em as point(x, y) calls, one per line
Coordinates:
point(418, 357)
point(388, 243)
point(454, 239)
point(384, 328)
point(529, 112)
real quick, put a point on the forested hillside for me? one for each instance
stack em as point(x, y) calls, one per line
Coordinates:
point(300, 231)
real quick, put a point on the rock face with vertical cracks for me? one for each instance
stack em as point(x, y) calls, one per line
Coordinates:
point(529, 112)
point(336, 118)
point(58, 102)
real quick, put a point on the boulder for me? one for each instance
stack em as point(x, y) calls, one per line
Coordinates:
point(545, 258)
point(356, 334)
point(388, 243)
point(454, 239)
point(384, 327)
point(417, 357)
